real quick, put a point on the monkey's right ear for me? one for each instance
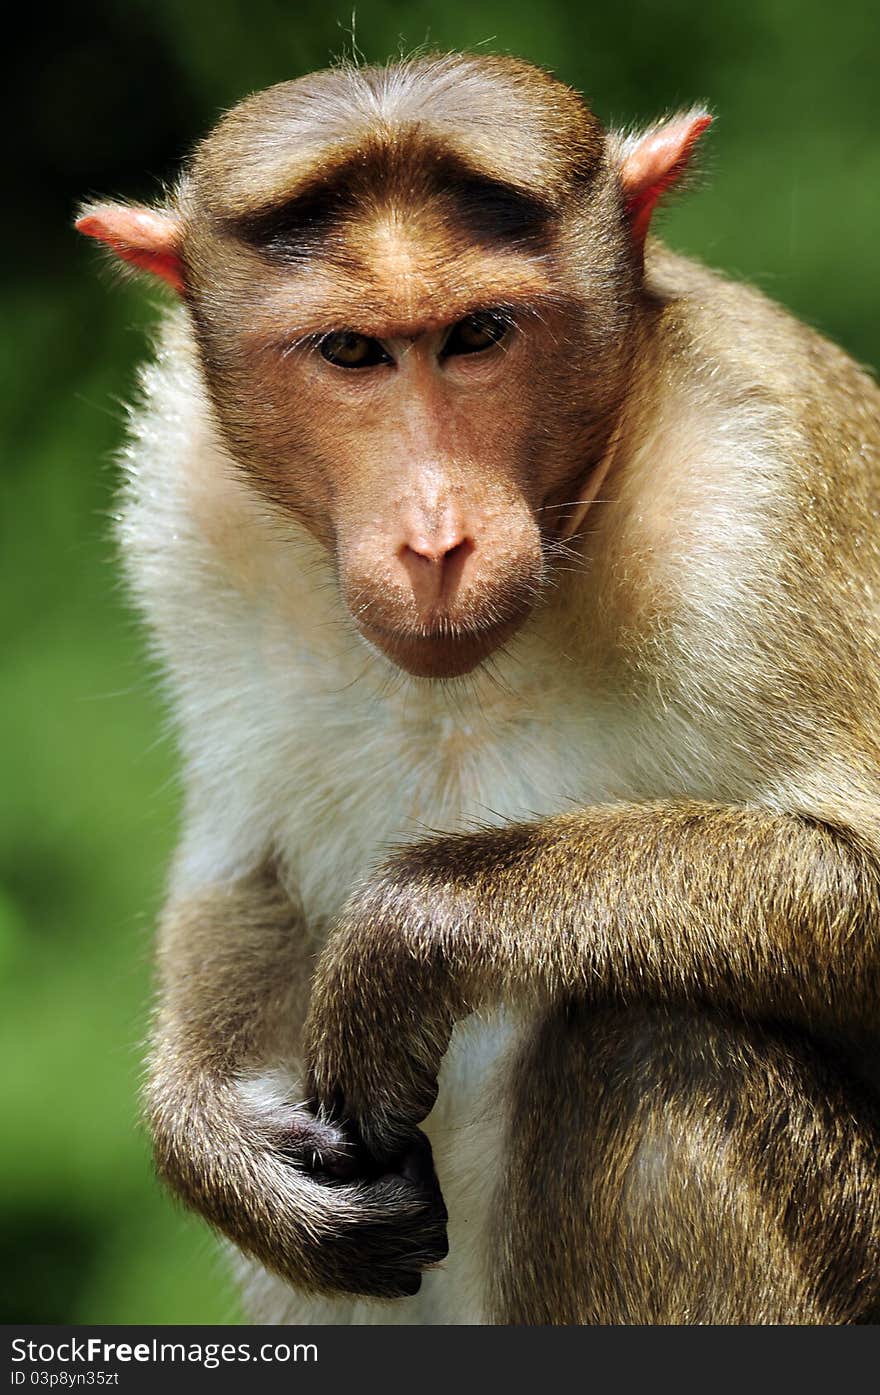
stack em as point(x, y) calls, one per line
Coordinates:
point(653, 161)
point(146, 237)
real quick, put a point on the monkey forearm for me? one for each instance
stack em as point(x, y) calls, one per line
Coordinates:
point(744, 908)
point(227, 962)
point(230, 962)
point(234, 968)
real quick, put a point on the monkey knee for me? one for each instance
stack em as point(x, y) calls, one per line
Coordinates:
point(649, 1143)
point(634, 1109)
point(675, 1171)
point(723, 1173)
point(632, 1174)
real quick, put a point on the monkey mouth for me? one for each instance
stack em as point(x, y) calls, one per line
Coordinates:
point(441, 650)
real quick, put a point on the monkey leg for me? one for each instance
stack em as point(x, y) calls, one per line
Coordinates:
point(674, 1166)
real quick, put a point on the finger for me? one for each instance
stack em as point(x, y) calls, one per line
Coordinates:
point(419, 1235)
point(417, 1161)
point(400, 1232)
point(319, 1146)
point(417, 1167)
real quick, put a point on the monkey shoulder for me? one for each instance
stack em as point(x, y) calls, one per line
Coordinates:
point(808, 413)
point(713, 320)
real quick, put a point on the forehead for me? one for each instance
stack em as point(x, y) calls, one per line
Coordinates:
point(501, 117)
point(387, 199)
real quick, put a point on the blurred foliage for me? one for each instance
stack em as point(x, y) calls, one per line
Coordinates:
point(106, 98)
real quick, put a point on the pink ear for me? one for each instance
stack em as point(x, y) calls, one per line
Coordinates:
point(654, 162)
point(142, 236)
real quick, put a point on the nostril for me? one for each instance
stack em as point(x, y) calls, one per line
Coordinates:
point(437, 553)
point(433, 552)
point(435, 570)
point(452, 567)
point(459, 553)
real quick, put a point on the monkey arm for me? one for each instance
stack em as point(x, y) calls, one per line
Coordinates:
point(234, 971)
point(746, 909)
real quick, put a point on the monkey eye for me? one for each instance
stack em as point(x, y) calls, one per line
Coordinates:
point(346, 349)
point(475, 333)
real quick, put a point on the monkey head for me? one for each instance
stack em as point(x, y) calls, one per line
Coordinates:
point(416, 296)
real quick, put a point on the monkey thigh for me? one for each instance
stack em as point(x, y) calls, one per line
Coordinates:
point(673, 1166)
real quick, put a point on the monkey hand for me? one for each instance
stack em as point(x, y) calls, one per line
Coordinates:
point(300, 1195)
point(382, 1226)
point(380, 1019)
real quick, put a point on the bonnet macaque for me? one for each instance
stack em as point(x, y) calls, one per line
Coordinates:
point(518, 587)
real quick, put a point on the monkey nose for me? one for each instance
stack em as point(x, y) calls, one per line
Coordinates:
point(435, 566)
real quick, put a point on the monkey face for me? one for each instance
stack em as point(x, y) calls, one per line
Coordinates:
point(394, 324)
point(437, 536)
point(413, 330)
point(423, 404)
point(423, 439)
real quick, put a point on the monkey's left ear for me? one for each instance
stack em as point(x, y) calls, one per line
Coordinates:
point(148, 238)
point(652, 162)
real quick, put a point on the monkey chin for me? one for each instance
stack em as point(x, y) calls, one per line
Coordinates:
point(443, 654)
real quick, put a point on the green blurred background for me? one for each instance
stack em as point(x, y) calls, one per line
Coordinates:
point(106, 98)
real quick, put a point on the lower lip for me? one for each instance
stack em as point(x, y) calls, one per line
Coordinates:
point(440, 656)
